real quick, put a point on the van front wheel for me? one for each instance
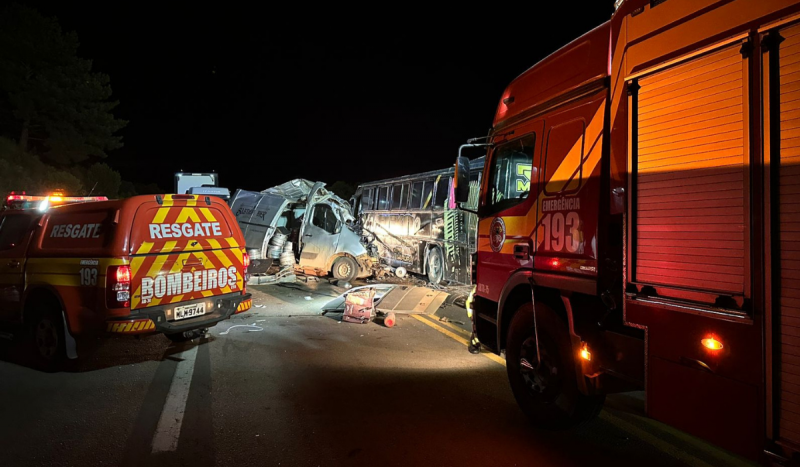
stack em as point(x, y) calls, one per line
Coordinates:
point(345, 269)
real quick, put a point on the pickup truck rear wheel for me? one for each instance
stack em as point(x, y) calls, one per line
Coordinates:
point(47, 339)
point(545, 385)
point(345, 269)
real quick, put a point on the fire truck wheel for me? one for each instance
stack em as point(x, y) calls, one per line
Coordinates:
point(435, 266)
point(345, 269)
point(547, 392)
point(47, 332)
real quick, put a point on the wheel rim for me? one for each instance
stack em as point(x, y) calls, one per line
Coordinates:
point(46, 338)
point(344, 270)
point(435, 266)
point(541, 378)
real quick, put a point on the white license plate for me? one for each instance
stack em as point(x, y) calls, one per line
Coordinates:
point(189, 311)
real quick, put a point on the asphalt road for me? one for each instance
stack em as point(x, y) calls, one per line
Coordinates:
point(283, 385)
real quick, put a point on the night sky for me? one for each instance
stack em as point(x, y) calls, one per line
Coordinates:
point(262, 96)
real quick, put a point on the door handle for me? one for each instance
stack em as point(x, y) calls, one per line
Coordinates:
point(696, 364)
point(522, 252)
point(308, 235)
point(13, 263)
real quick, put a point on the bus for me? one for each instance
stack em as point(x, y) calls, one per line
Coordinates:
point(417, 226)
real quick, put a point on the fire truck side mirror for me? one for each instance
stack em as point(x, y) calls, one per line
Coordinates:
point(461, 179)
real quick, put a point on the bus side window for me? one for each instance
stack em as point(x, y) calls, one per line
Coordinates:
point(427, 194)
point(397, 197)
point(442, 190)
point(383, 198)
point(366, 200)
point(404, 197)
point(416, 195)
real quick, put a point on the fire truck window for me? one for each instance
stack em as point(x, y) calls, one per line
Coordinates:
point(442, 191)
point(324, 218)
point(511, 172)
point(12, 230)
point(427, 195)
point(383, 198)
point(416, 195)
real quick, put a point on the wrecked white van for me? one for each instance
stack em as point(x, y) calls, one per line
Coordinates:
point(318, 224)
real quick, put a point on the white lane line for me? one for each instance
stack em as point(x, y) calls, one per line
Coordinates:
point(169, 425)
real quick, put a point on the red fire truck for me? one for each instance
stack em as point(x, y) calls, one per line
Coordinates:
point(640, 223)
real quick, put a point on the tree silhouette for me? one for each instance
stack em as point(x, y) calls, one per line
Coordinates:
point(57, 104)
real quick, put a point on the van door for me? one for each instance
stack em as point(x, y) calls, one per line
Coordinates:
point(321, 231)
point(256, 214)
point(15, 234)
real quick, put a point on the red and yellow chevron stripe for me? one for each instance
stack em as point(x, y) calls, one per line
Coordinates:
point(244, 306)
point(185, 258)
point(134, 326)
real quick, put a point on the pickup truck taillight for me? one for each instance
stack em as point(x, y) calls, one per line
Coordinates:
point(245, 265)
point(118, 286)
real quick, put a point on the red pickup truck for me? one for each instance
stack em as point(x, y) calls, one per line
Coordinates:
point(171, 264)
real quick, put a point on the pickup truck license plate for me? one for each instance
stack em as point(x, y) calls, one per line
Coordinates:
point(189, 311)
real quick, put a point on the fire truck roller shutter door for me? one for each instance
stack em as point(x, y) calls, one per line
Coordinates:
point(691, 185)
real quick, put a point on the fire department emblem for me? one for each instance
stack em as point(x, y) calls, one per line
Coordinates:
point(497, 234)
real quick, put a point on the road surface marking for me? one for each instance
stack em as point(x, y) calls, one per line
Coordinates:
point(169, 425)
point(448, 325)
point(458, 338)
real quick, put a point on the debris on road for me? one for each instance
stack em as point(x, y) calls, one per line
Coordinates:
point(445, 319)
point(382, 302)
point(257, 328)
point(359, 306)
point(411, 299)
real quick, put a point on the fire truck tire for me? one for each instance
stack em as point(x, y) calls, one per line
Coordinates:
point(548, 393)
point(435, 266)
point(345, 269)
point(47, 339)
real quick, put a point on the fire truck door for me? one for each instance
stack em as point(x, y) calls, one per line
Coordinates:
point(15, 234)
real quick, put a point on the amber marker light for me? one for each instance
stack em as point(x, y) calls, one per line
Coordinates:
point(585, 354)
point(712, 344)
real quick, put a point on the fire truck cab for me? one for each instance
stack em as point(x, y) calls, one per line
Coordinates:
point(639, 220)
point(173, 264)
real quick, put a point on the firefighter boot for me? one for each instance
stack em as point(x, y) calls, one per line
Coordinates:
point(474, 346)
